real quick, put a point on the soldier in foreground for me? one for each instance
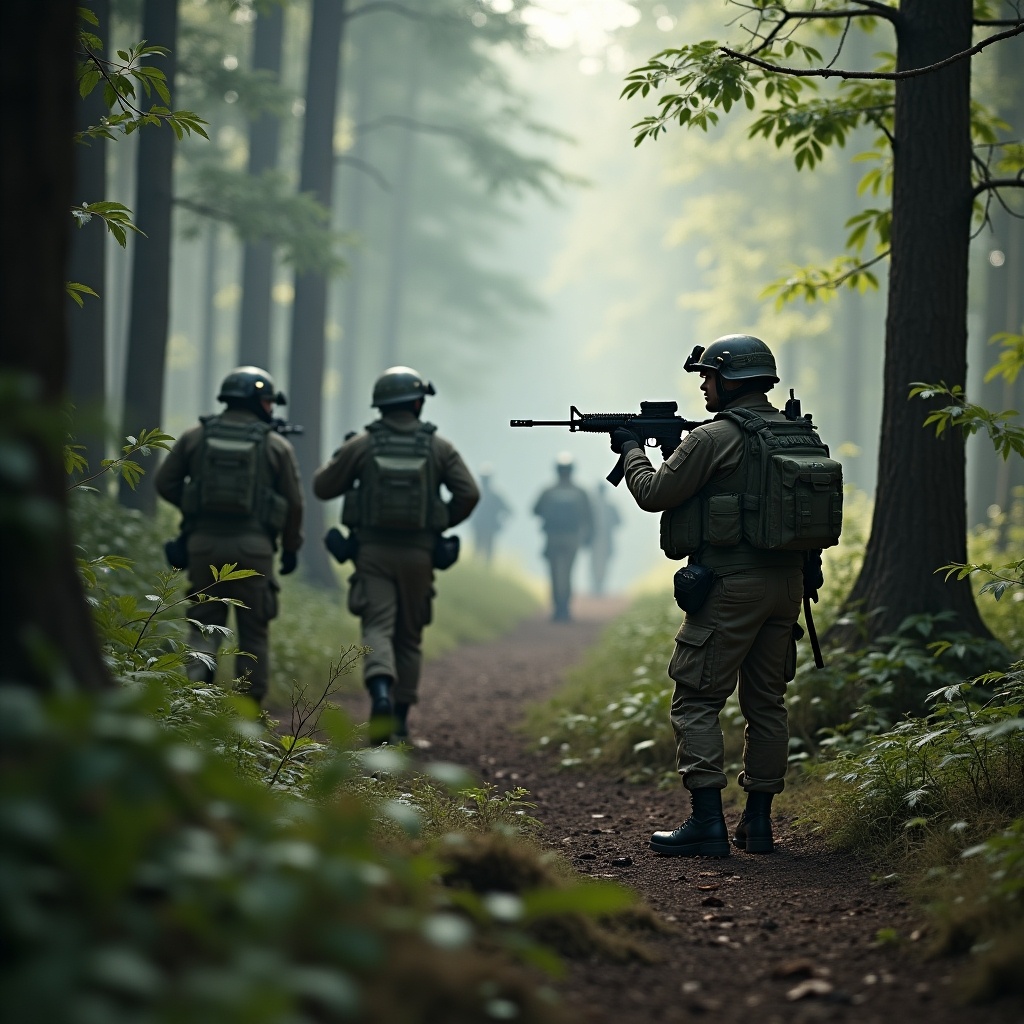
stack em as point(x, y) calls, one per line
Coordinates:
point(489, 516)
point(564, 510)
point(236, 482)
point(390, 476)
point(744, 582)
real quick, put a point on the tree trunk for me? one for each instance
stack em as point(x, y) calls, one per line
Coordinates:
point(919, 522)
point(208, 384)
point(151, 267)
point(264, 144)
point(993, 477)
point(354, 405)
point(88, 364)
point(48, 633)
point(399, 247)
point(309, 311)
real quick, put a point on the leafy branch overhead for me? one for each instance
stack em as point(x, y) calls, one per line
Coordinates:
point(122, 81)
point(774, 75)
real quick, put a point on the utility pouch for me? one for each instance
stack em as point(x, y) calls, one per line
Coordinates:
point(789, 668)
point(446, 552)
point(341, 547)
point(691, 585)
point(176, 552)
point(681, 529)
point(725, 526)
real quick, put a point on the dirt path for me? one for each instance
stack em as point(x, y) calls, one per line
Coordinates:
point(775, 939)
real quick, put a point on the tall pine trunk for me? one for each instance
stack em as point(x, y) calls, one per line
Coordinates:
point(151, 268)
point(309, 311)
point(264, 145)
point(88, 365)
point(920, 521)
point(48, 633)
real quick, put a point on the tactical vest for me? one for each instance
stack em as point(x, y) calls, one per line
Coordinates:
point(563, 511)
point(230, 489)
point(398, 489)
point(785, 495)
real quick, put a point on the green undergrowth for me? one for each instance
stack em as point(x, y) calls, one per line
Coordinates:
point(166, 855)
point(475, 601)
point(939, 800)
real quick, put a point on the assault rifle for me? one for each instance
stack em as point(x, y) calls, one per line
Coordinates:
point(284, 428)
point(657, 423)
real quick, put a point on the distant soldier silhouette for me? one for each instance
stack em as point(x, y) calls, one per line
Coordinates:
point(564, 509)
point(236, 482)
point(489, 516)
point(606, 518)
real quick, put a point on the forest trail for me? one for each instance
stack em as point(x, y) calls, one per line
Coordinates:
point(789, 937)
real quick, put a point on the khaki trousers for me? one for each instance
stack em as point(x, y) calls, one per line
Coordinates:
point(257, 593)
point(392, 591)
point(742, 633)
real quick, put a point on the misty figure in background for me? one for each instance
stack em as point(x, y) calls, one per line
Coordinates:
point(391, 475)
point(489, 516)
point(236, 481)
point(567, 521)
point(606, 519)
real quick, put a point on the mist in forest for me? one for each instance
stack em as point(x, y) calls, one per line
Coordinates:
point(500, 233)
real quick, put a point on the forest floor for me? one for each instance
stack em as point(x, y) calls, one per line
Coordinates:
point(790, 937)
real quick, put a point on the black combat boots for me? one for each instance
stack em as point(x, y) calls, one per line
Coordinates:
point(379, 688)
point(400, 730)
point(754, 831)
point(703, 834)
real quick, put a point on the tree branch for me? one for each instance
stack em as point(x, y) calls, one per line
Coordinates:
point(875, 76)
point(997, 183)
point(385, 5)
point(367, 169)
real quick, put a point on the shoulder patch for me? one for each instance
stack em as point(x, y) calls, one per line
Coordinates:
point(678, 457)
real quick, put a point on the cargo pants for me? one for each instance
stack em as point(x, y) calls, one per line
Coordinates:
point(392, 592)
point(257, 593)
point(742, 633)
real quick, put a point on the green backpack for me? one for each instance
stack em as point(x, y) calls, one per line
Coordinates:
point(231, 484)
point(397, 490)
point(793, 500)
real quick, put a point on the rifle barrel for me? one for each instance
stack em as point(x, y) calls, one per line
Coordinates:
point(540, 423)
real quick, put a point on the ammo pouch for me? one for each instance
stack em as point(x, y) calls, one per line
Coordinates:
point(681, 529)
point(446, 552)
point(176, 552)
point(691, 585)
point(341, 547)
point(789, 668)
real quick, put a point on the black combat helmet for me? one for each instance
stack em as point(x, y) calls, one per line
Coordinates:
point(734, 357)
point(400, 384)
point(250, 384)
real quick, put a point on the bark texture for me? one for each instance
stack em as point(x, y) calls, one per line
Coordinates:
point(48, 638)
point(920, 520)
point(309, 312)
point(149, 318)
point(264, 145)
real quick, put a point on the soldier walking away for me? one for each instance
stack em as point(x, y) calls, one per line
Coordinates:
point(564, 509)
point(236, 481)
point(742, 587)
point(488, 517)
point(606, 520)
point(390, 476)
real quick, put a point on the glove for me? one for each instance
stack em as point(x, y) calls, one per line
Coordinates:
point(624, 440)
point(814, 578)
point(289, 561)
